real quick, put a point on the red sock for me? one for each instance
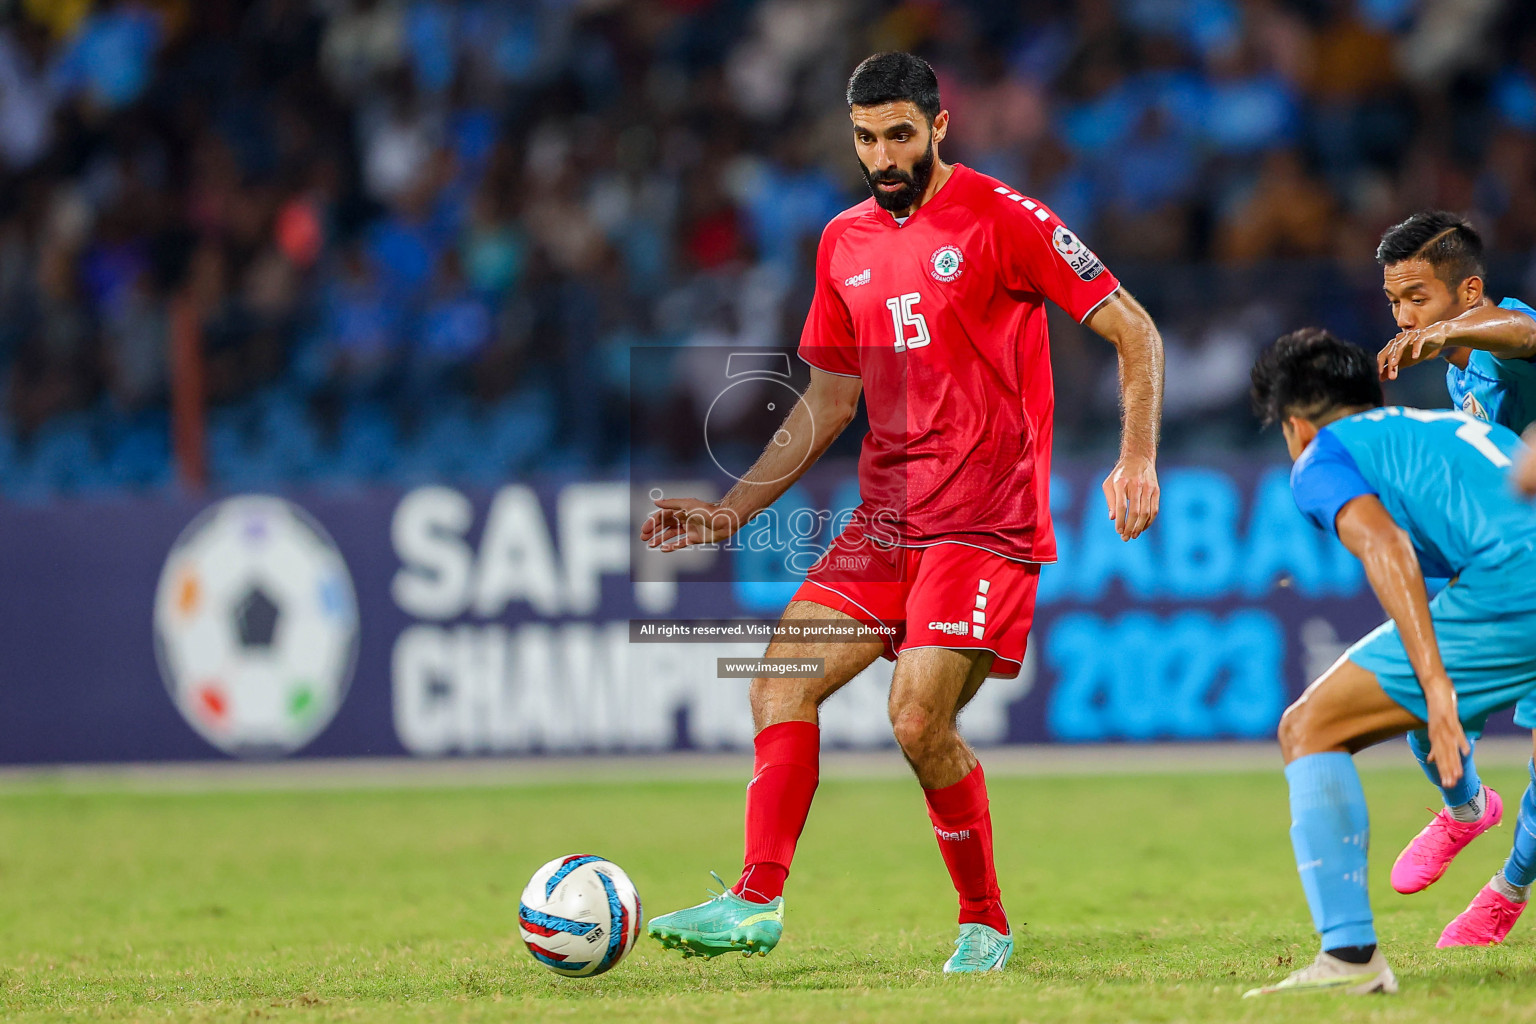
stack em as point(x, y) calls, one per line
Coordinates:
point(963, 825)
point(784, 775)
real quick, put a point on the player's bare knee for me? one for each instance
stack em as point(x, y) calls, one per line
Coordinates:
point(908, 726)
point(1295, 731)
point(918, 732)
point(775, 700)
point(760, 698)
point(765, 692)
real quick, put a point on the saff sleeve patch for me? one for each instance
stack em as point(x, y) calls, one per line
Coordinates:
point(1078, 256)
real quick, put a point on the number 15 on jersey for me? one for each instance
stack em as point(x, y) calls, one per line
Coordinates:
point(904, 316)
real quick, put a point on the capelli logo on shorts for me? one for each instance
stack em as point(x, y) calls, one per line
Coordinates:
point(951, 628)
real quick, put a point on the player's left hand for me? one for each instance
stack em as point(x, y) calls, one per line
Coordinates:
point(1410, 348)
point(1132, 494)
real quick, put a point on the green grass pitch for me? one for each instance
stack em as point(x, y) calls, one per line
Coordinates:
point(1154, 898)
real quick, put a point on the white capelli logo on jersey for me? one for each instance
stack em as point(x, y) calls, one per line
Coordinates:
point(1078, 256)
point(946, 263)
point(862, 277)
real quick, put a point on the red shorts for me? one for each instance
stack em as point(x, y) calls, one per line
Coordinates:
point(948, 595)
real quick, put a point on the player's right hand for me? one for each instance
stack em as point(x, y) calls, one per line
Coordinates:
point(1132, 493)
point(1447, 740)
point(1410, 348)
point(679, 522)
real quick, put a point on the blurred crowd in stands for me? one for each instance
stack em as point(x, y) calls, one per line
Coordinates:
point(420, 238)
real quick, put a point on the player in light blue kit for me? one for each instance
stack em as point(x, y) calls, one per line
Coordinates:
point(1432, 272)
point(1411, 493)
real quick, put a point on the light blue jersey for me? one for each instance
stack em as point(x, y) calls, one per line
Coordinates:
point(1443, 477)
point(1498, 390)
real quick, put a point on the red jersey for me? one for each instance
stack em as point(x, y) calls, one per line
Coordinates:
point(943, 318)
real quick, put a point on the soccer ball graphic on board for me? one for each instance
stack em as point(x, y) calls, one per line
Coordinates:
point(256, 626)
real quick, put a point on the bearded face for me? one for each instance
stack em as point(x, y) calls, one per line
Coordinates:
point(896, 189)
point(897, 148)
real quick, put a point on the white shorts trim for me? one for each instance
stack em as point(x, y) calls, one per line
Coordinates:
point(978, 547)
point(996, 655)
point(851, 601)
point(956, 647)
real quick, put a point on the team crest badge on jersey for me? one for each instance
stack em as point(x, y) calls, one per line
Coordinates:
point(1078, 256)
point(946, 263)
point(1472, 407)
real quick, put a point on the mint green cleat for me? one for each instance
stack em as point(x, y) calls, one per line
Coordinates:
point(725, 924)
point(979, 948)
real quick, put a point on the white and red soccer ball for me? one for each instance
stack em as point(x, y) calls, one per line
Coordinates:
point(579, 915)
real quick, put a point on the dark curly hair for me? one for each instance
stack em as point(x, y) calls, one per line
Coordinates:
point(1309, 372)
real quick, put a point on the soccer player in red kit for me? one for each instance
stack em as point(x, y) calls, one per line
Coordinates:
point(930, 299)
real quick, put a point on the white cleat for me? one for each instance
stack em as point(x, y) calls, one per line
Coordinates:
point(1330, 974)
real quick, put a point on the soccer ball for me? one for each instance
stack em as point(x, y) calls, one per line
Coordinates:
point(580, 915)
point(256, 626)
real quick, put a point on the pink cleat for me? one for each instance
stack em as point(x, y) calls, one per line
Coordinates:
point(1426, 857)
point(1487, 919)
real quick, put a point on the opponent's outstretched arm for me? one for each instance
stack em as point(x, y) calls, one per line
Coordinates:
point(1368, 530)
point(1131, 490)
point(1507, 333)
point(827, 406)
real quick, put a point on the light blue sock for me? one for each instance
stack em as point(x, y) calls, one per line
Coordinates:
point(1331, 833)
point(1465, 790)
point(1520, 869)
